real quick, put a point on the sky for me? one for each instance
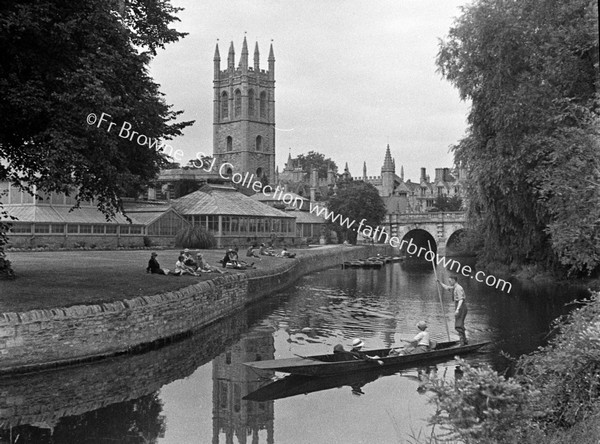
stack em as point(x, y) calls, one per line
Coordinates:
point(351, 76)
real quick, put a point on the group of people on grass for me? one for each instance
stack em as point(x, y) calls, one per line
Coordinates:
point(421, 342)
point(186, 264)
point(263, 250)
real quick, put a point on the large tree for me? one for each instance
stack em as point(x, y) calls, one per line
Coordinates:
point(354, 201)
point(529, 68)
point(314, 160)
point(69, 70)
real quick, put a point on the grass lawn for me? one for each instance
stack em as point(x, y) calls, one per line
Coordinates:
point(65, 278)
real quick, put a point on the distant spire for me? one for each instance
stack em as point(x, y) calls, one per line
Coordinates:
point(402, 173)
point(388, 162)
point(217, 56)
point(365, 170)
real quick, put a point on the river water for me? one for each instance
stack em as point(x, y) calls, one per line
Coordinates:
point(192, 391)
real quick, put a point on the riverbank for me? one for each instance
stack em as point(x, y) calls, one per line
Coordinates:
point(61, 279)
point(61, 335)
point(553, 397)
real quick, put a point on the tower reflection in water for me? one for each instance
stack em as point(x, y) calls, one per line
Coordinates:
point(248, 421)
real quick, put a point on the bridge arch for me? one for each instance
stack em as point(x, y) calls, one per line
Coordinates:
point(416, 242)
point(457, 244)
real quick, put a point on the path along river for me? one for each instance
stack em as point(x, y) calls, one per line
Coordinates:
point(192, 391)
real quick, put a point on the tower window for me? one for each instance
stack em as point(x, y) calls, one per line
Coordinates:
point(263, 104)
point(259, 172)
point(224, 105)
point(238, 103)
point(229, 143)
point(251, 102)
point(258, 143)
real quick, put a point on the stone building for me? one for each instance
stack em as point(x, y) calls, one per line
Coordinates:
point(244, 113)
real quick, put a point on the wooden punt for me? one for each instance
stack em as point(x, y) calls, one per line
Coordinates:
point(325, 365)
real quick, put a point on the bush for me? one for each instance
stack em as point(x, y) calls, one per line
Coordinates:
point(482, 406)
point(194, 237)
point(555, 391)
point(6, 271)
point(147, 241)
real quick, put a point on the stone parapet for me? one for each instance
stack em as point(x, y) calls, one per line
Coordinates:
point(52, 337)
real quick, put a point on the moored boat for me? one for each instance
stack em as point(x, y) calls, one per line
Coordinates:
point(325, 365)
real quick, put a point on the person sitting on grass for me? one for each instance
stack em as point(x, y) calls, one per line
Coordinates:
point(154, 266)
point(205, 267)
point(286, 253)
point(181, 268)
point(189, 260)
point(234, 256)
point(251, 252)
point(266, 251)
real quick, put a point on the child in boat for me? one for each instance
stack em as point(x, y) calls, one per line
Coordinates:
point(420, 343)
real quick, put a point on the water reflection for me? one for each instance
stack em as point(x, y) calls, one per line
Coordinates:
point(193, 390)
point(232, 416)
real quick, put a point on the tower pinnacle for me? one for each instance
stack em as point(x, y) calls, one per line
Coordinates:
point(231, 58)
point(256, 58)
point(244, 58)
point(388, 163)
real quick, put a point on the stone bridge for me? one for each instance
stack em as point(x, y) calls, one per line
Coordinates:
point(441, 229)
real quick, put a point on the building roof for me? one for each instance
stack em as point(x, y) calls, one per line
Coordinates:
point(304, 217)
point(223, 200)
point(270, 197)
point(146, 212)
point(62, 214)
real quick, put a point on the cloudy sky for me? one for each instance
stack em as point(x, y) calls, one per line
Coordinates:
point(351, 76)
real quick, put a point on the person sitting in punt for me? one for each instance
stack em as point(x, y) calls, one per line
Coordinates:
point(420, 343)
point(357, 352)
point(340, 354)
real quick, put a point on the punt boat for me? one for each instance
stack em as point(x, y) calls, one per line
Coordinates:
point(325, 365)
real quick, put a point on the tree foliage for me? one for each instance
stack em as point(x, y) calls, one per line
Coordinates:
point(445, 203)
point(313, 160)
point(529, 69)
point(63, 60)
point(355, 201)
point(553, 392)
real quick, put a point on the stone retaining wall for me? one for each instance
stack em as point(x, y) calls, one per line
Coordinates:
point(42, 338)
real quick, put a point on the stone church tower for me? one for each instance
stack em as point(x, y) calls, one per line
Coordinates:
point(244, 114)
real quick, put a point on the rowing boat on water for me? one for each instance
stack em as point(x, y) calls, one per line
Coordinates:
point(325, 365)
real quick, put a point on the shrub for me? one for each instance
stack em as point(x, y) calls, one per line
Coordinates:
point(147, 241)
point(555, 391)
point(482, 406)
point(194, 237)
